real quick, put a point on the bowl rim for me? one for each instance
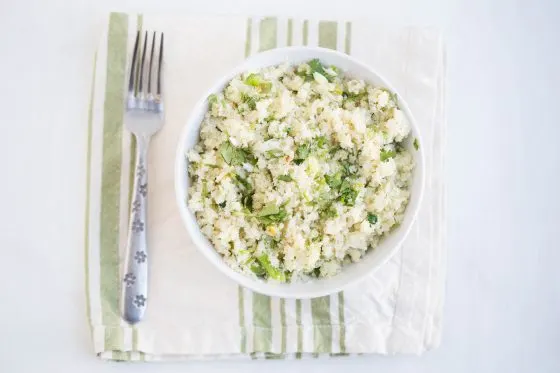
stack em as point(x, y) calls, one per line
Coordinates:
point(192, 226)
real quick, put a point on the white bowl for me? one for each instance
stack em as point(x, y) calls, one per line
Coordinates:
point(351, 273)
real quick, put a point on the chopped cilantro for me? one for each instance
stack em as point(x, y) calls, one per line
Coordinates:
point(393, 96)
point(222, 205)
point(265, 87)
point(271, 214)
point(272, 271)
point(321, 141)
point(236, 156)
point(415, 143)
point(354, 96)
point(348, 168)
point(302, 152)
point(317, 67)
point(386, 154)
point(334, 181)
point(246, 190)
point(212, 99)
point(205, 192)
point(257, 269)
point(285, 178)
point(275, 153)
point(328, 212)
point(250, 101)
point(372, 218)
point(347, 193)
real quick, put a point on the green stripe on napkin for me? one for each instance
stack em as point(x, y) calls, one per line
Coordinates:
point(110, 193)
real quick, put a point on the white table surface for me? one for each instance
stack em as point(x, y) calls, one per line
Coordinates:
point(502, 312)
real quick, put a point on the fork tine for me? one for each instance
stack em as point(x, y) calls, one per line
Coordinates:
point(142, 63)
point(159, 65)
point(133, 65)
point(151, 64)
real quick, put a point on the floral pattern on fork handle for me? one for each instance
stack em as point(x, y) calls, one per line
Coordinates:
point(135, 280)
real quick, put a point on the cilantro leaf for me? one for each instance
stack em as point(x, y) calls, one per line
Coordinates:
point(212, 99)
point(415, 143)
point(386, 154)
point(285, 178)
point(317, 67)
point(302, 152)
point(257, 269)
point(246, 190)
point(265, 87)
point(275, 153)
point(272, 271)
point(347, 193)
point(328, 212)
point(354, 96)
point(321, 141)
point(271, 213)
point(348, 168)
point(270, 209)
point(250, 101)
point(235, 156)
point(372, 218)
point(334, 181)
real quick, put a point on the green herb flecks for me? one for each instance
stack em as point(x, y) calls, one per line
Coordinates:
point(249, 100)
point(334, 181)
point(416, 144)
point(392, 96)
point(275, 153)
point(316, 272)
point(348, 169)
point(271, 214)
point(328, 211)
point(236, 156)
point(272, 271)
point(258, 269)
point(253, 80)
point(302, 152)
point(320, 142)
point(212, 99)
point(305, 150)
point(246, 190)
point(285, 178)
point(372, 218)
point(347, 193)
point(386, 154)
point(205, 192)
point(349, 96)
point(315, 66)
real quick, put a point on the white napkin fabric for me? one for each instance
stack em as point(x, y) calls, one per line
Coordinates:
point(193, 310)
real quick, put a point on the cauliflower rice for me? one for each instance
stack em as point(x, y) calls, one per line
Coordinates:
point(299, 170)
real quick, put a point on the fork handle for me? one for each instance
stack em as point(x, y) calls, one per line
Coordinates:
point(134, 297)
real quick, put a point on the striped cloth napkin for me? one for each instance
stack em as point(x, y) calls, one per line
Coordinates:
point(196, 312)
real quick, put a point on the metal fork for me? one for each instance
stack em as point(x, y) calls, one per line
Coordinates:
point(144, 117)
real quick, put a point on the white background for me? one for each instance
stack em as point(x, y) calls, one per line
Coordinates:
point(502, 311)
